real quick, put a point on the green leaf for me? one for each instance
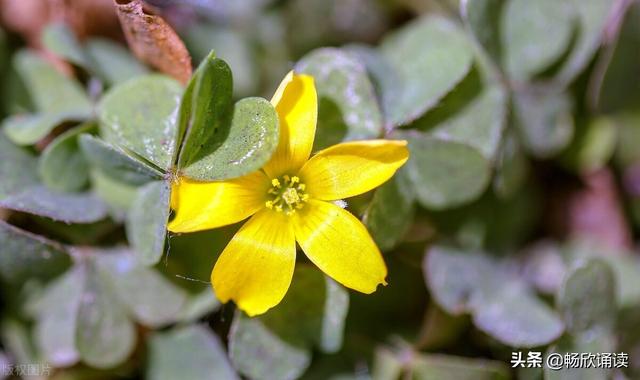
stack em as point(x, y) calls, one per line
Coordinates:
point(544, 120)
point(625, 265)
point(588, 297)
point(343, 85)
point(205, 105)
point(593, 146)
point(445, 173)
point(57, 313)
point(512, 167)
point(62, 166)
point(117, 163)
point(251, 140)
point(525, 27)
point(24, 255)
point(118, 196)
point(431, 55)
point(391, 211)
point(152, 299)
point(63, 207)
point(113, 62)
point(592, 18)
point(384, 77)
point(450, 367)
point(52, 92)
point(60, 40)
point(472, 114)
point(482, 18)
point(188, 353)
point(18, 168)
point(223, 141)
point(594, 343)
point(147, 221)
point(28, 129)
point(612, 91)
point(279, 342)
point(500, 304)
point(140, 115)
point(386, 365)
point(255, 351)
point(236, 46)
point(105, 336)
point(199, 305)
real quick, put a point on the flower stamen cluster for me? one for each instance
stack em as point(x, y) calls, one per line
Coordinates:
point(288, 195)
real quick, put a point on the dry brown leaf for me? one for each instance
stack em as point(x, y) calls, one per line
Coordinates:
point(153, 40)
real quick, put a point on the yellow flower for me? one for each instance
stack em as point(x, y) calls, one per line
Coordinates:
point(289, 200)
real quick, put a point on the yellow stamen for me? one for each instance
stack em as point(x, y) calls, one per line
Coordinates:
point(286, 194)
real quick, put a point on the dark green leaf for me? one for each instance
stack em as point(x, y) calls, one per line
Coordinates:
point(249, 142)
point(431, 55)
point(116, 162)
point(220, 140)
point(62, 166)
point(445, 173)
point(205, 106)
point(24, 255)
point(147, 221)
point(63, 207)
point(188, 353)
point(343, 84)
point(141, 115)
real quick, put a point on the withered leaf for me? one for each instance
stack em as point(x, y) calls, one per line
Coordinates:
point(153, 40)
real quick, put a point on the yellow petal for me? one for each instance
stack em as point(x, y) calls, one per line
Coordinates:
point(339, 244)
point(352, 168)
point(255, 269)
point(296, 103)
point(205, 205)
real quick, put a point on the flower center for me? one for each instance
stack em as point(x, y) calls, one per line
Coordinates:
point(287, 195)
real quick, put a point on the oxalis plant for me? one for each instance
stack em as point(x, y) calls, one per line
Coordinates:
point(449, 191)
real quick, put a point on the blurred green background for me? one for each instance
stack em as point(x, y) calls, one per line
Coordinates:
point(512, 228)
